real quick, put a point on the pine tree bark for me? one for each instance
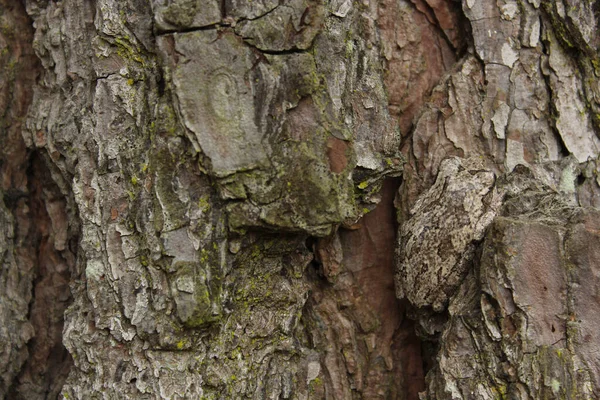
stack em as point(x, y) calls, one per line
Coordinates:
point(304, 199)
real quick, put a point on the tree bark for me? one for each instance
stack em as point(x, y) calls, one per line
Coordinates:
point(303, 199)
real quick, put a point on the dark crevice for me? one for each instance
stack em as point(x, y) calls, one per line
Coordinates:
point(38, 236)
point(47, 245)
point(279, 52)
point(160, 81)
point(361, 289)
point(190, 29)
point(223, 8)
point(468, 41)
point(554, 114)
point(463, 26)
point(293, 50)
point(570, 38)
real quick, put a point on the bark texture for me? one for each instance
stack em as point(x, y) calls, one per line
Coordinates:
point(303, 199)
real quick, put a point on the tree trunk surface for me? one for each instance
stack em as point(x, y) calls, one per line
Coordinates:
point(300, 199)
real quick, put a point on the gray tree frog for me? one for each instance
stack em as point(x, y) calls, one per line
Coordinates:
point(437, 242)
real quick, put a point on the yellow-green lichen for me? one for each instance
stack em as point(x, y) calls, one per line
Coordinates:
point(204, 204)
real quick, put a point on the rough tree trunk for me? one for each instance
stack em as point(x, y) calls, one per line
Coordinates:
point(294, 199)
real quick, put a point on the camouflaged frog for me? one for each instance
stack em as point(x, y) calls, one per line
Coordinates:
point(437, 242)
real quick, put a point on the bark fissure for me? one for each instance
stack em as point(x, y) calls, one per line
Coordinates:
point(36, 239)
point(48, 364)
point(301, 199)
point(381, 353)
